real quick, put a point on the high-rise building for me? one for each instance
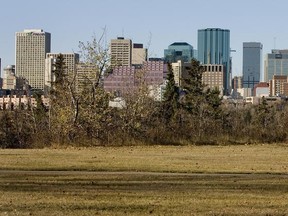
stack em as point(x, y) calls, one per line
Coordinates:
point(121, 52)
point(252, 63)
point(139, 54)
point(214, 48)
point(70, 60)
point(277, 85)
point(275, 63)
point(31, 48)
point(178, 51)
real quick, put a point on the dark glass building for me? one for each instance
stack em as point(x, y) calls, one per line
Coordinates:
point(178, 51)
point(214, 48)
point(252, 58)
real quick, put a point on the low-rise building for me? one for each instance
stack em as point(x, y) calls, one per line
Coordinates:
point(261, 89)
point(126, 79)
point(14, 101)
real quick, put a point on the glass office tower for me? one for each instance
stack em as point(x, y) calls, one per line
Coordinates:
point(252, 63)
point(178, 51)
point(214, 48)
point(276, 63)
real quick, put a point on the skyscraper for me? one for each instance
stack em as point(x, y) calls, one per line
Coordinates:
point(31, 48)
point(121, 52)
point(252, 60)
point(276, 63)
point(214, 48)
point(178, 51)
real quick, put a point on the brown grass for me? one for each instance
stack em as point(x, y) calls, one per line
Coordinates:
point(235, 159)
point(142, 193)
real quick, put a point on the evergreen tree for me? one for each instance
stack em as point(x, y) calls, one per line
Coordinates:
point(40, 114)
point(171, 96)
point(61, 112)
point(193, 87)
point(59, 72)
point(214, 101)
point(202, 103)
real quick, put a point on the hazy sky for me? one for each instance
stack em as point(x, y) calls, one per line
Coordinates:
point(156, 23)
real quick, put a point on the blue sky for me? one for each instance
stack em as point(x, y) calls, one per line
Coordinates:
point(158, 23)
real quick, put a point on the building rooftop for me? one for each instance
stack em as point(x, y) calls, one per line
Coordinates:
point(180, 44)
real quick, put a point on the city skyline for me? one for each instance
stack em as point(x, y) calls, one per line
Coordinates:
point(144, 22)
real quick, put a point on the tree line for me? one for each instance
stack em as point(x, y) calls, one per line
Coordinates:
point(191, 114)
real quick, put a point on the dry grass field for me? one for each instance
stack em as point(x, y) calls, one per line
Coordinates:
point(151, 180)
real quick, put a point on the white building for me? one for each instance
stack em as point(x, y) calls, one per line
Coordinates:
point(31, 48)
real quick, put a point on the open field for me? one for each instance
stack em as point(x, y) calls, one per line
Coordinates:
point(156, 180)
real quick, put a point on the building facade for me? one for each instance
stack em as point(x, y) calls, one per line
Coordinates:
point(121, 52)
point(178, 69)
point(261, 90)
point(275, 63)
point(152, 73)
point(214, 48)
point(277, 85)
point(252, 63)
point(212, 77)
point(139, 54)
point(20, 101)
point(237, 82)
point(31, 49)
point(127, 79)
point(86, 74)
point(121, 80)
point(178, 51)
point(70, 60)
point(11, 81)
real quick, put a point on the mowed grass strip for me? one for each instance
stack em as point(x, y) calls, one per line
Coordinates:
point(182, 159)
point(142, 194)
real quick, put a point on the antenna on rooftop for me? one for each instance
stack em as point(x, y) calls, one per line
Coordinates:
point(274, 42)
point(122, 32)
